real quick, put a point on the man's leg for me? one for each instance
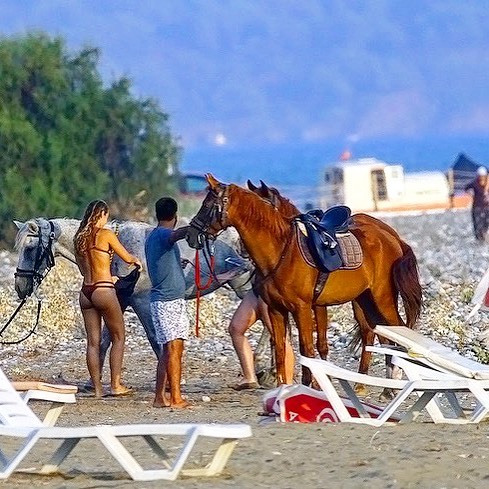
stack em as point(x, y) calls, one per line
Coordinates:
point(161, 379)
point(174, 373)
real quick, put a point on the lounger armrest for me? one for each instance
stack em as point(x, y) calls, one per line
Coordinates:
point(44, 386)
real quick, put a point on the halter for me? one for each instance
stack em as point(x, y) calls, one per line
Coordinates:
point(44, 252)
point(214, 210)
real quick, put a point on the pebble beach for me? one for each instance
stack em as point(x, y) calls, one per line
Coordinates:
point(450, 262)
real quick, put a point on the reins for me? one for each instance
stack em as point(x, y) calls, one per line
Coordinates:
point(199, 286)
point(37, 277)
point(19, 307)
point(261, 280)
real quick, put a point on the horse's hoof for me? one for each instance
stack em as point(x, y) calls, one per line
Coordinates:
point(387, 395)
point(361, 389)
point(315, 385)
point(267, 378)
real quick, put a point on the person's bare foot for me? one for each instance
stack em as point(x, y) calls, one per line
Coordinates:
point(166, 403)
point(122, 390)
point(162, 401)
point(183, 404)
point(243, 385)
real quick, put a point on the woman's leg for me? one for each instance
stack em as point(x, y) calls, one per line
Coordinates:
point(245, 315)
point(105, 300)
point(92, 320)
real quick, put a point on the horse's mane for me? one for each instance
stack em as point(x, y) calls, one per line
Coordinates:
point(28, 226)
point(257, 209)
point(23, 233)
point(286, 206)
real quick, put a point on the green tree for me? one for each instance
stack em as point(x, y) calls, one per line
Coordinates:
point(66, 139)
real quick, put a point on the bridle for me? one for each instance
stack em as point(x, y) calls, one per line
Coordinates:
point(44, 252)
point(214, 210)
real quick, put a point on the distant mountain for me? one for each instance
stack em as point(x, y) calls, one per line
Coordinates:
point(252, 72)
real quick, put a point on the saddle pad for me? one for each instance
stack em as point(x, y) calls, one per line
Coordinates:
point(351, 251)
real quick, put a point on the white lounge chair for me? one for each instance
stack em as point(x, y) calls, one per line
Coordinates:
point(58, 395)
point(423, 358)
point(432, 353)
point(426, 388)
point(17, 420)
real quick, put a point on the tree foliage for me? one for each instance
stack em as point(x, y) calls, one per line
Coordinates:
point(66, 139)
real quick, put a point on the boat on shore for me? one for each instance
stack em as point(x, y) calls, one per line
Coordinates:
point(372, 185)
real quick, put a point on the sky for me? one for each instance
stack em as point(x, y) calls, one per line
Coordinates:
point(276, 71)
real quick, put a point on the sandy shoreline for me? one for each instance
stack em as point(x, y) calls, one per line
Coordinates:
point(420, 455)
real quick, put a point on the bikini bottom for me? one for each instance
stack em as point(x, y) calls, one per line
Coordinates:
point(88, 290)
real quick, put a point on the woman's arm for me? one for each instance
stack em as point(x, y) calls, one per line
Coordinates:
point(121, 252)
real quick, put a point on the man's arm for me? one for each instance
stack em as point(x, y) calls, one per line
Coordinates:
point(178, 234)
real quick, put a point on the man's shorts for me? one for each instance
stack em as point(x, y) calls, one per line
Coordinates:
point(170, 320)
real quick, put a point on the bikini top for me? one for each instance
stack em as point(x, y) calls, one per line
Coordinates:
point(96, 248)
point(100, 249)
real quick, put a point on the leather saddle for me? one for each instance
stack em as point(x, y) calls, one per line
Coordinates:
point(322, 241)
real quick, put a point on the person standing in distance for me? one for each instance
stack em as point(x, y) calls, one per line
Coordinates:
point(167, 301)
point(480, 203)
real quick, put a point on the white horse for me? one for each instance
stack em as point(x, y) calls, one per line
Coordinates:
point(40, 240)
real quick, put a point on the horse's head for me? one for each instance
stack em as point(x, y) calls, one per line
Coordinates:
point(272, 195)
point(34, 242)
point(212, 215)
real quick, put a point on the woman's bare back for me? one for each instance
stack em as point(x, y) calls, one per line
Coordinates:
point(95, 264)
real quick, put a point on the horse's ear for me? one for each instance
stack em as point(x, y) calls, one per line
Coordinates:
point(213, 182)
point(264, 187)
point(18, 224)
point(251, 186)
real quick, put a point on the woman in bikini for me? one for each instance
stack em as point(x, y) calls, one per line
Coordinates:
point(94, 246)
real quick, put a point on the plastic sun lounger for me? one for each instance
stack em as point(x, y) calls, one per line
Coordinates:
point(426, 389)
point(419, 368)
point(425, 358)
point(444, 358)
point(17, 420)
point(58, 395)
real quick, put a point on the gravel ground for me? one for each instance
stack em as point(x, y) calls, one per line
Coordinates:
point(421, 455)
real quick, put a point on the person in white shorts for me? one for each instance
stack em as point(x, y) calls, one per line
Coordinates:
point(167, 301)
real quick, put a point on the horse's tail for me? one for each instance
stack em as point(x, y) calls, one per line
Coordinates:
point(405, 276)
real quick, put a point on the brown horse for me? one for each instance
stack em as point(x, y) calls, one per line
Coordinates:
point(364, 334)
point(287, 283)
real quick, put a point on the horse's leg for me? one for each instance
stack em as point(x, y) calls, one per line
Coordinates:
point(278, 321)
point(385, 300)
point(305, 324)
point(264, 363)
point(105, 342)
point(366, 336)
point(321, 317)
point(140, 303)
point(388, 307)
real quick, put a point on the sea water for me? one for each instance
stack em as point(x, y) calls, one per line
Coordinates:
point(296, 169)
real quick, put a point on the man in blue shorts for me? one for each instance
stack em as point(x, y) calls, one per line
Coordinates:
point(167, 301)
